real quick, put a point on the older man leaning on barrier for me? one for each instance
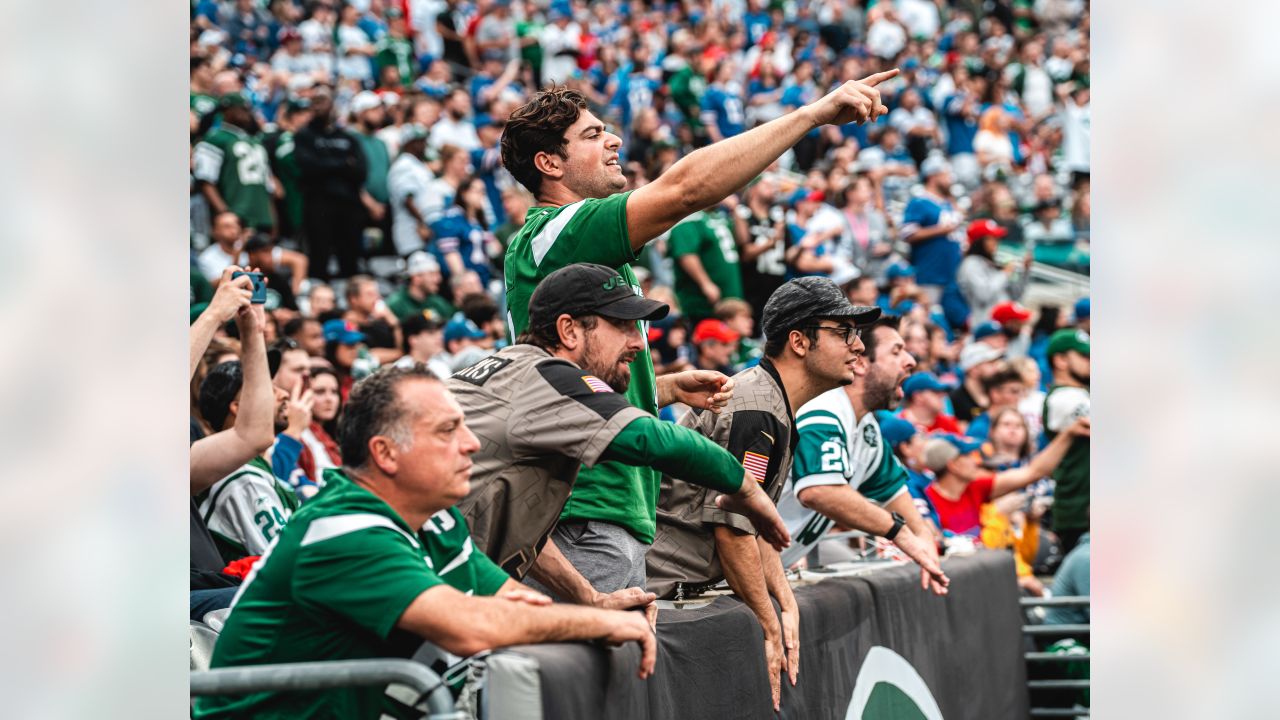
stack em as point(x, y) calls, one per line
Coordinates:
point(380, 560)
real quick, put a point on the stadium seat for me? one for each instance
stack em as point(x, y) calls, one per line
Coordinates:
point(215, 619)
point(203, 638)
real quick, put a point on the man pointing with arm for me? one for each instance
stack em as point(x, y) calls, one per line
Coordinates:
point(563, 154)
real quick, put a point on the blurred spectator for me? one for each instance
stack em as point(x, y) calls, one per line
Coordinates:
point(561, 41)
point(374, 319)
point(284, 166)
point(454, 126)
point(231, 167)
point(228, 240)
point(1032, 404)
point(736, 315)
point(462, 238)
point(343, 348)
point(325, 408)
point(482, 310)
point(1066, 402)
point(516, 202)
point(1004, 389)
point(1075, 131)
point(705, 252)
point(761, 230)
point(1009, 442)
point(455, 168)
point(291, 460)
point(1081, 314)
point(333, 173)
point(284, 270)
point(424, 343)
point(962, 486)
point(716, 343)
point(1071, 580)
point(354, 46)
point(394, 50)
point(321, 300)
point(246, 509)
point(421, 291)
point(977, 361)
point(868, 226)
point(723, 110)
point(928, 223)
point(464, 343)
point(370, 117)
point(1012, 318)
point(982, 282)
point(409, 189)
point(227, 447)
point(924, 404)
point(908, 445)
point(308, 333)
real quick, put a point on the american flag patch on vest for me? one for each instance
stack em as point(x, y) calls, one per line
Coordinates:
point(756, 464)
point(596, 384)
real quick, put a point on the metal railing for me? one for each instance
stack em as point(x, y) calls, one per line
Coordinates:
point(1061, 630)
point(330, 674)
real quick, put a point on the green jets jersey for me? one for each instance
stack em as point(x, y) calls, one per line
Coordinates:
point(332, 587)
point(709, 237)
point(835, 449)
point(1062, 405)
point(236, 163)
point(203, 104)
point(595, 231)
point(284, 166)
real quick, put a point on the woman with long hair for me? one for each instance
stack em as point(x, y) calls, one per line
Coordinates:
point(462, 238)
point(319, 436)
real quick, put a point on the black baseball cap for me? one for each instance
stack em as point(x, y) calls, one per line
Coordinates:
point(805, 299)
point(590, 289)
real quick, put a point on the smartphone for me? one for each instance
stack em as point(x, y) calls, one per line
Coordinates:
point(259, 296)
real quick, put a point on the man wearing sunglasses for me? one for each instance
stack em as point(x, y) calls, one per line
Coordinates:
point(844, 473)
point(811, 346)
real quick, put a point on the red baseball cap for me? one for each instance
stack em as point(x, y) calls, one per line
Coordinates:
point(712, 329)
point(1010, 310)
point(985, 228)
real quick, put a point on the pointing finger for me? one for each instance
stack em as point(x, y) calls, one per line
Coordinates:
point(880, 77)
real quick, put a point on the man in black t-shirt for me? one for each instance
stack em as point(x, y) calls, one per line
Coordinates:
point(761, 228)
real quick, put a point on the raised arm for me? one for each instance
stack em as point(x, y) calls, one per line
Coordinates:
point(1042, 464)
point(216, 456)
point(228, 299)
point(706, 176)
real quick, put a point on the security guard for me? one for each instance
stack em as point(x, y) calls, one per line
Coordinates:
point(554, 401)
point(811, 346)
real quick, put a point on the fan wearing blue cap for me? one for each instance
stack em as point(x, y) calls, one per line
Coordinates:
point(925, 403)
point(907, 444)
point(845, 473)
point(962, 485)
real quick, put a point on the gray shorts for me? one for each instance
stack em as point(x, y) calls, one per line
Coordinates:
point(608, 556)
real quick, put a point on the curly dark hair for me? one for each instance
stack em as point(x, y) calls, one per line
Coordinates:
point(539, 126)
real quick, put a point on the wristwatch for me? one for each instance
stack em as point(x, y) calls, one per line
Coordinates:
point(898, 522)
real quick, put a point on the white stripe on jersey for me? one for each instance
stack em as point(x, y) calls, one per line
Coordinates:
point(327, 528)
point(460, 558)
point(542, 242)
point(208, 162)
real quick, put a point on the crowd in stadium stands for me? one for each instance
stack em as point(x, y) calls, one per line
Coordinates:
point(352, 153)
